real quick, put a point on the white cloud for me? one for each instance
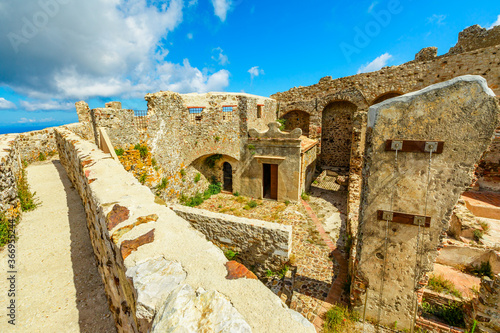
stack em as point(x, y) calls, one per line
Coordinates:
point(31, 121)
point(192, 3)
point(438, 19)
point(255, 71)
point(221, 7)
point(219, 56)
point(5, 104)
point(373, 4)
point(376, 64)
point(497, 22)
point(46, 105)
point(189, 35)
point(97, 48)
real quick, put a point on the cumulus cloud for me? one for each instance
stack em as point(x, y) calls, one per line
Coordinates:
point(219, 56)
point(5, 104)
point(31, 121)
point(94, 48)
point(497, 22)
point(376, 64)
point(189, 35)
point(221, 7)
point(438, 19)
point(255, 71)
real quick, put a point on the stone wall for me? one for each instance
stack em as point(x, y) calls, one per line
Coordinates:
point(485, 308)
point(392, 258)
point(260, 245)
point(9, 170)
point(160, 273)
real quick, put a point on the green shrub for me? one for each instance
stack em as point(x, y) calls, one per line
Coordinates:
point(439, 284)
point(143, 150)
point(26, 197)
point(251, 147)
point(305, 196)
point(4, 230)
point(183, 172)
point(163, 184)
point(282, 122)
point(287, 202)
point(339, 319)
point(230, 255)
point(143, 178)
point(41, 156)
point(452, 314)
point(236, 194)
point(199, 198)
point(153, 162)
point(483, 270)
point(478, 235)
point(211, 160)
point(197, 177)
point(119, 151)
point(217, 138)
point(252, 204)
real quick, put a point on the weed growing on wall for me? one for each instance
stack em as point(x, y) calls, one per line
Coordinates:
point(119, 151)
point(282, 122)
point(211, 160)
point(214, 188)
point(482, 270)
point(41, 156)
point(197, 177)
point(143, 178)
point(340, 319)
point(26, 197)
point(230, 254)
point(439, 284)
point(452, 314)
point(143, 150)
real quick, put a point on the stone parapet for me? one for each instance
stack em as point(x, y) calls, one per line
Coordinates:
point(158, 271)
point(9, 169)
point(260, 245)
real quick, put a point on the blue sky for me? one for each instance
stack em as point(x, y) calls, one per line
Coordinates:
point(56, 52)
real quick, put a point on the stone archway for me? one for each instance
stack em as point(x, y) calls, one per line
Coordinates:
point(336, 134)
point(297, 119)
point(385, 96)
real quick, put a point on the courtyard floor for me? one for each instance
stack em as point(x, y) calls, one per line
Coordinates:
point(318, 226)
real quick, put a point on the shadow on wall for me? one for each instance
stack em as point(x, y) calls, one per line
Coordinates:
point(91, 302)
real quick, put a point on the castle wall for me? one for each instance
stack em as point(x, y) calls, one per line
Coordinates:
point(260, 245)
point(151, 260)
point(393, 258)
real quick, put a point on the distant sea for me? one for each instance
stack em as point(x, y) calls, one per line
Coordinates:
point(20, 128)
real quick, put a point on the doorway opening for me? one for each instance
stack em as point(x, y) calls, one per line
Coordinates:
point(228, 177)
point(270, 181)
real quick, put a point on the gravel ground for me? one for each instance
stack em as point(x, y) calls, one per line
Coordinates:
point(58, 286)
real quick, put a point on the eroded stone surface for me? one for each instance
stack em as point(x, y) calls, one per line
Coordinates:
point(187, 310)
point(154, 280)
point(463, 113)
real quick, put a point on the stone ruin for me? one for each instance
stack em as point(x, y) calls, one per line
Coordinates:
point(408, 138)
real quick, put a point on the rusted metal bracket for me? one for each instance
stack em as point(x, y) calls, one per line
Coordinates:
point(385, 215)
point(415, 146)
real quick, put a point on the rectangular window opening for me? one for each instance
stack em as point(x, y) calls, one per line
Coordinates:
point(195, 114)
point(259, 110)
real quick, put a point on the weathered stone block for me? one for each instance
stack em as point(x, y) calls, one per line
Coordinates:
point(463, 113)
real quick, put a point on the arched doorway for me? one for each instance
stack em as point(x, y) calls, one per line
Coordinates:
point(297, 119)
point(385, 97)
point(336, 134)
point(227, 170)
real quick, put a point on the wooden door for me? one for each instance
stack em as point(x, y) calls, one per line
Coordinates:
point(274, 181)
